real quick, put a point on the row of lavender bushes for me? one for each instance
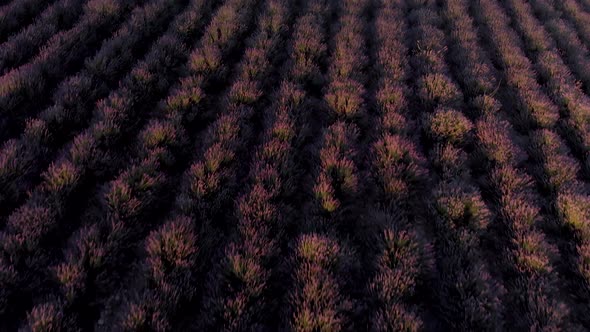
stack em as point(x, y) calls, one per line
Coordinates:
point(537, 282)
point(17, 14)
point(320, 262)
point(399, 254)
point(24, 90)
point(132, 195)
point(558, 172)
point(38, 227)
point(20, 47)
point(23, 158)
point(210, 183)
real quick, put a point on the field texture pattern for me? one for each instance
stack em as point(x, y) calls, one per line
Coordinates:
point(294, 165)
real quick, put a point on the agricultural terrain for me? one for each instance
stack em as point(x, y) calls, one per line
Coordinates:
point(294, 165)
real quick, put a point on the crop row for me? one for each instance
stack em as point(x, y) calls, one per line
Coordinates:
point(576, 57)
point(567, 38)
point(558, 171)
point(132, 195)
point(16, 14)
point(21, 46)
point(536, 282)
point(298, 165)
point(24, 90)
point(398, 253)
point(183, 107)
point(24, 157)
point(321, 265)
point(575, 14)
point(210, 184)
point(91, 154)
point(460, 217)
point(527, 261)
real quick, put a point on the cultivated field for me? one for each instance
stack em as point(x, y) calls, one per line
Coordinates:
point(295, 165)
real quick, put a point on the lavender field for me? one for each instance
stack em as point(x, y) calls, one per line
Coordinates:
point(294, 165)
